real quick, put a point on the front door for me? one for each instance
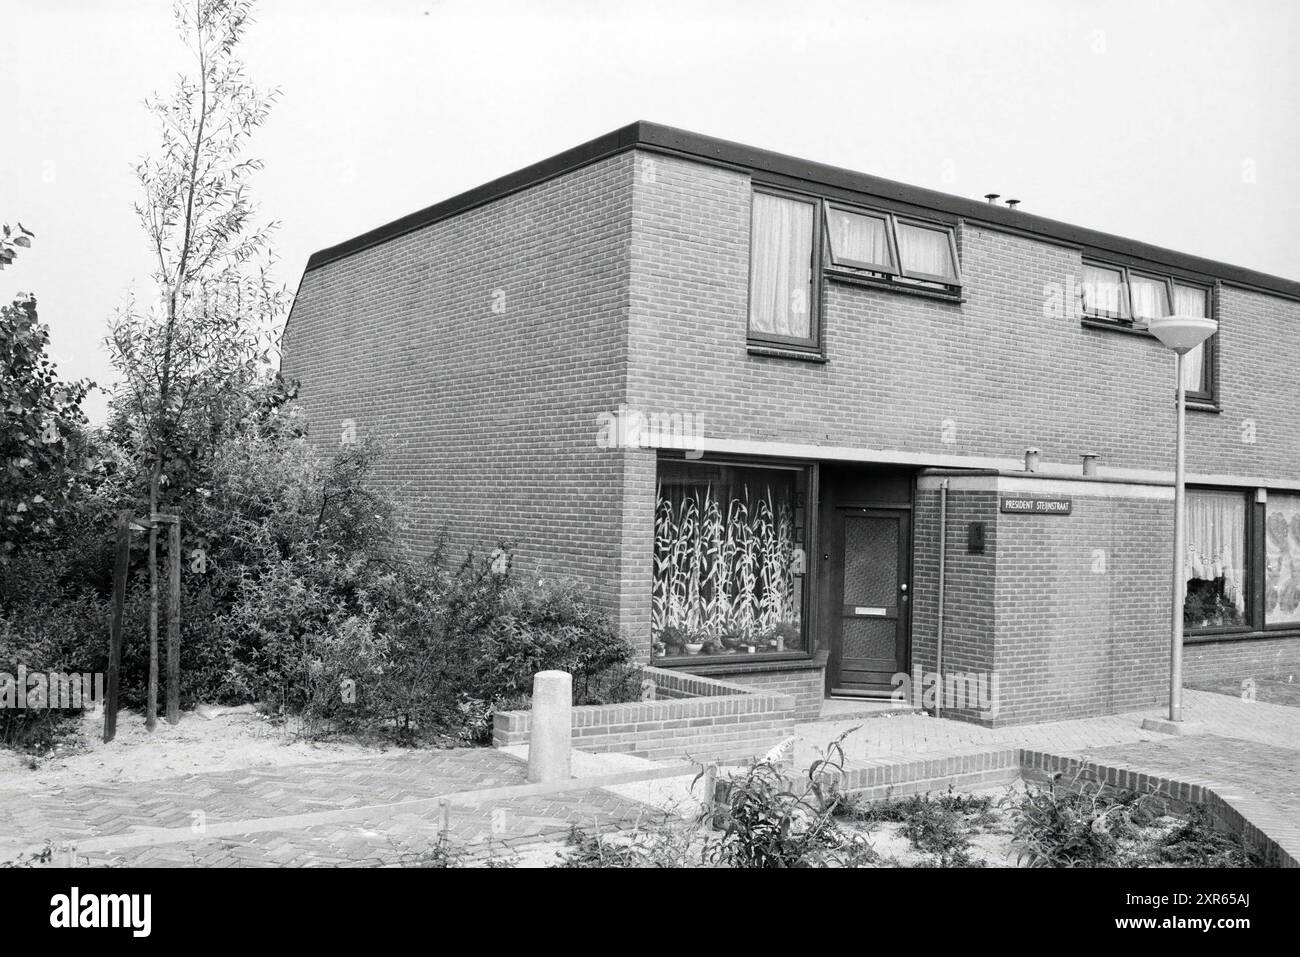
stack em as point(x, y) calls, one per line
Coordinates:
point(869, 624)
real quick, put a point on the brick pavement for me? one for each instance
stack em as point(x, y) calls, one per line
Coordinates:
point(385, 836)
point(1250, 754)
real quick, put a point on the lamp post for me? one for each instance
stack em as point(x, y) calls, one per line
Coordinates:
point(1181, 334)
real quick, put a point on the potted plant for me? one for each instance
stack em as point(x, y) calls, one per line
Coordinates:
point(673, 638)
point(695, 642)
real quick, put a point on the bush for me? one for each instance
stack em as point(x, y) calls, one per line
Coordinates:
point(1064, 826)
point(767, 820)
point(305, 597)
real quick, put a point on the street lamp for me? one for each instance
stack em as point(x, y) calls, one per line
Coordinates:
point(1182, 334)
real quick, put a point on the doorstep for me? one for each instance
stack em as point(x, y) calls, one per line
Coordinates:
point(835, 709)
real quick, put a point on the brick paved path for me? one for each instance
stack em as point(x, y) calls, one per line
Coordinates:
point(384, 836)
point(1262, 781)
point(1250, 753)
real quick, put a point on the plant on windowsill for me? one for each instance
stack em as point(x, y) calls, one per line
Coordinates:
point(1208, 608)
point(673, 639)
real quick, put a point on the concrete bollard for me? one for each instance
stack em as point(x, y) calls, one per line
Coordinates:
point(551, 730)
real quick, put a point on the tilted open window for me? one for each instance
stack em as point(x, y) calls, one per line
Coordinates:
point(882, 245)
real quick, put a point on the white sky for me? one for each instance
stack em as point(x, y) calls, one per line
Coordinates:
point(1177, 123)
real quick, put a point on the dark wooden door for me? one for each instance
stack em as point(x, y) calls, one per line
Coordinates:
point(870, 583)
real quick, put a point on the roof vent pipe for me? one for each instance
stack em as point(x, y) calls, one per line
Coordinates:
point(992, 197)
point(1013, 203)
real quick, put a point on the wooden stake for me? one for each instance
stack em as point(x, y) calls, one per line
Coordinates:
point(121, 568)
point(151, 703)
point(174, 623)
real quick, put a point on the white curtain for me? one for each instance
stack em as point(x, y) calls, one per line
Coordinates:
point(1103, 291)
point(1216, 541)
point(1149, 298)
point(925, 250)
point(1192, 302)
point(781, 266)
point(860, 238)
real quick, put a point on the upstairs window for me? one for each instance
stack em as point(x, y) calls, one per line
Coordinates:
point(1149, 298)
point(782, 295)
point(860, 240)
point(1104, 292)
point(892, 248)
point(1131, 299)
point(927, 252)
point(1195, 301)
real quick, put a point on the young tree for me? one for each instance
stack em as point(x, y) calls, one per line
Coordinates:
point(207, 327)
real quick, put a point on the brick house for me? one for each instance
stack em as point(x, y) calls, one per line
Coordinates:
point(734, 391)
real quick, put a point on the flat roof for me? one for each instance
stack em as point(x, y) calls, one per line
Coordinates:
point(780, 169)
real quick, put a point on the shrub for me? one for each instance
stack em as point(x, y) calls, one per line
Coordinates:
point(937, 826)
point(768, 820)
point(1065, 826)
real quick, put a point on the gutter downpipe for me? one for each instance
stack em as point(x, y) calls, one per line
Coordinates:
point(943, 563)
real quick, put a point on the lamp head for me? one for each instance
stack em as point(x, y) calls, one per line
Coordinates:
point(1182, 334)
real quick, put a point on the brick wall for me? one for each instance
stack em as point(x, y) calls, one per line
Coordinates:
point(804, 682)
point(483, 348)
point(1070, 612)
point(1247, 658)
point(1008, 369)
point(698, 717)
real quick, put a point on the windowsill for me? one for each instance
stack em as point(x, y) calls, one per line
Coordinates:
point(740, 660)
point(1209, 637)
point(870, 282)
point(1117, 325)
point(1200, 405)
point(778, 352)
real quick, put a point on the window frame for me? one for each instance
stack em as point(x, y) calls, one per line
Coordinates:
point(806, 484)
point(1261, 528)
point(1251, 568)
point(1125, 315)
point(897, 275)
point(813, 342)
point(1209, 360)
point(845, 262)
point(952, 282)
point(1207, 394)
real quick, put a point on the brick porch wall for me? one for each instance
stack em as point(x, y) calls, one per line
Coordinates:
point(692, 716)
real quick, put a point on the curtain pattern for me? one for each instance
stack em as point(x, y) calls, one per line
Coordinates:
point(1216, 541)
point(725, 560)
point(781, 267)
point(861, 238)
point(925, 250)
point(1282, 559)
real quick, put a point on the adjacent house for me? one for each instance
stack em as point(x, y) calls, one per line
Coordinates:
point(776, 414)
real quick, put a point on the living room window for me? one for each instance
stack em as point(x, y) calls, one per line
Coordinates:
point(1216, 561)
point(728, 566)
point(1282, 559)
